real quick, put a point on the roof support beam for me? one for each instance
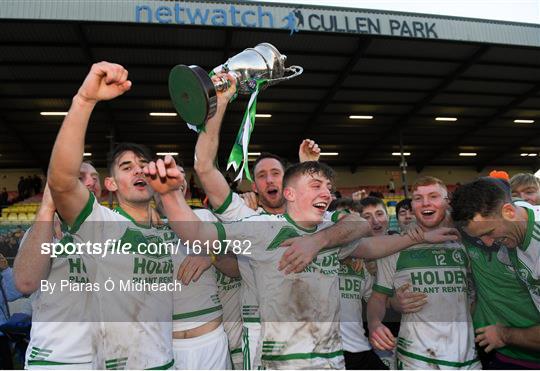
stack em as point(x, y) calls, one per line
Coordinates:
point(363, 45)
point(481, 124)
point(405, 120)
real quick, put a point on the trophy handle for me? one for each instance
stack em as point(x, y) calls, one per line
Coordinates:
point(296, 71)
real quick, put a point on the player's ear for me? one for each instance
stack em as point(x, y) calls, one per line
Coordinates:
point(110, 184)
point(508, 212)
point(289, 193)
point(253, 187)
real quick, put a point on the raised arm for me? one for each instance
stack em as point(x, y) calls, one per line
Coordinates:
point(213, 182)
point(31, 265)
point(105, 81)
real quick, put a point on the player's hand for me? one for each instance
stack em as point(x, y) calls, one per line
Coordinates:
point(251, 200)
point(309, 151)
point(105, 81)
point(406, 301)
point(163, 175)
point(491, 337)
point(192, 267)
point(3, 263)
point(224, 97)
point(381, 338)
point(300, 252)
point(359, 195)
point(441, 234)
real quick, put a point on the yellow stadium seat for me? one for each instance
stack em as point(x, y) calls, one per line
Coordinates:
point(31, 216)
point(12, 217)
point(22, 216)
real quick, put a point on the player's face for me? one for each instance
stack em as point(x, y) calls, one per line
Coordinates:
point(493, 229)
point(530, 194)
point(429, 205)
point(269, 183)
point(129, 178)
point(313, 192)
point(377, 218)
point(90, 178)
point(405, 217)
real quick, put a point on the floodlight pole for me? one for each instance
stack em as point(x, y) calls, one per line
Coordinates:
point(403, 166)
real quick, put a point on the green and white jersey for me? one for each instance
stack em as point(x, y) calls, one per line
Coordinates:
point(353, 287)
point(526, 258)
point(441, 333)
point(229, 295)
point(500, 297)
point(234, 209)
point(60, 323)
point(134, 326)
point(198, 302)
point(299, 312)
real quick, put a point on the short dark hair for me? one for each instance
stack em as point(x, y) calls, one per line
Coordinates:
point(120, 148)
point(266, 155)
point(483, 196)
point(371, 201)
point(406, 204)
point(310, 168)
point(341, 203)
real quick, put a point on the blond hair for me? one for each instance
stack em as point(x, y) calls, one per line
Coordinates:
point(524, 180)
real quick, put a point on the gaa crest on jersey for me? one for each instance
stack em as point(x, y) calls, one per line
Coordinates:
point(457, 255)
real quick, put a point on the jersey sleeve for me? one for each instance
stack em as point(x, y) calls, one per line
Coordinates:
point(233, 209)
point(367, 288)
point(386, 270)
point(251, 233)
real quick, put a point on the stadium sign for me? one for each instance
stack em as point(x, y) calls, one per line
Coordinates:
point(272, 16)
point(293, 19)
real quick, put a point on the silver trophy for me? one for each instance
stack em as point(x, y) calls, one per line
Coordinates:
point(193, 92)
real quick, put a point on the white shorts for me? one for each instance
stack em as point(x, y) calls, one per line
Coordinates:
point(251, 334)
point(237, 359)
point(415, 363)
point(207, 352)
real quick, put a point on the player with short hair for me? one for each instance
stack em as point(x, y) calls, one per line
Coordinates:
point(299, 312)
point(60, 325)
point(486, 212)
point(527, 187)
point(440, 334)
point(133, 328)
point(404, 213)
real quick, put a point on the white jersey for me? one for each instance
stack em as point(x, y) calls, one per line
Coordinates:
point(229, 295)
point(441, 333)
point(60, 324)
point(353, 287)
point(198, 302)
point(299, 312)
point(135, 327)
point(526, 258)
point(234, 209)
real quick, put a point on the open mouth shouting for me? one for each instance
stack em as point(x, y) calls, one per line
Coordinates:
point(321, 206)
point(140, 184)
point(272, 192)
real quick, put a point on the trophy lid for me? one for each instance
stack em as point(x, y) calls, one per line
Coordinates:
point(274, 59)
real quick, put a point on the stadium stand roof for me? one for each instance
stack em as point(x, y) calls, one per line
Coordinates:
point(403, 69)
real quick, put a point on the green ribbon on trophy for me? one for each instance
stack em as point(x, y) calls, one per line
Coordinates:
point(194, 96)
point(239, 152)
